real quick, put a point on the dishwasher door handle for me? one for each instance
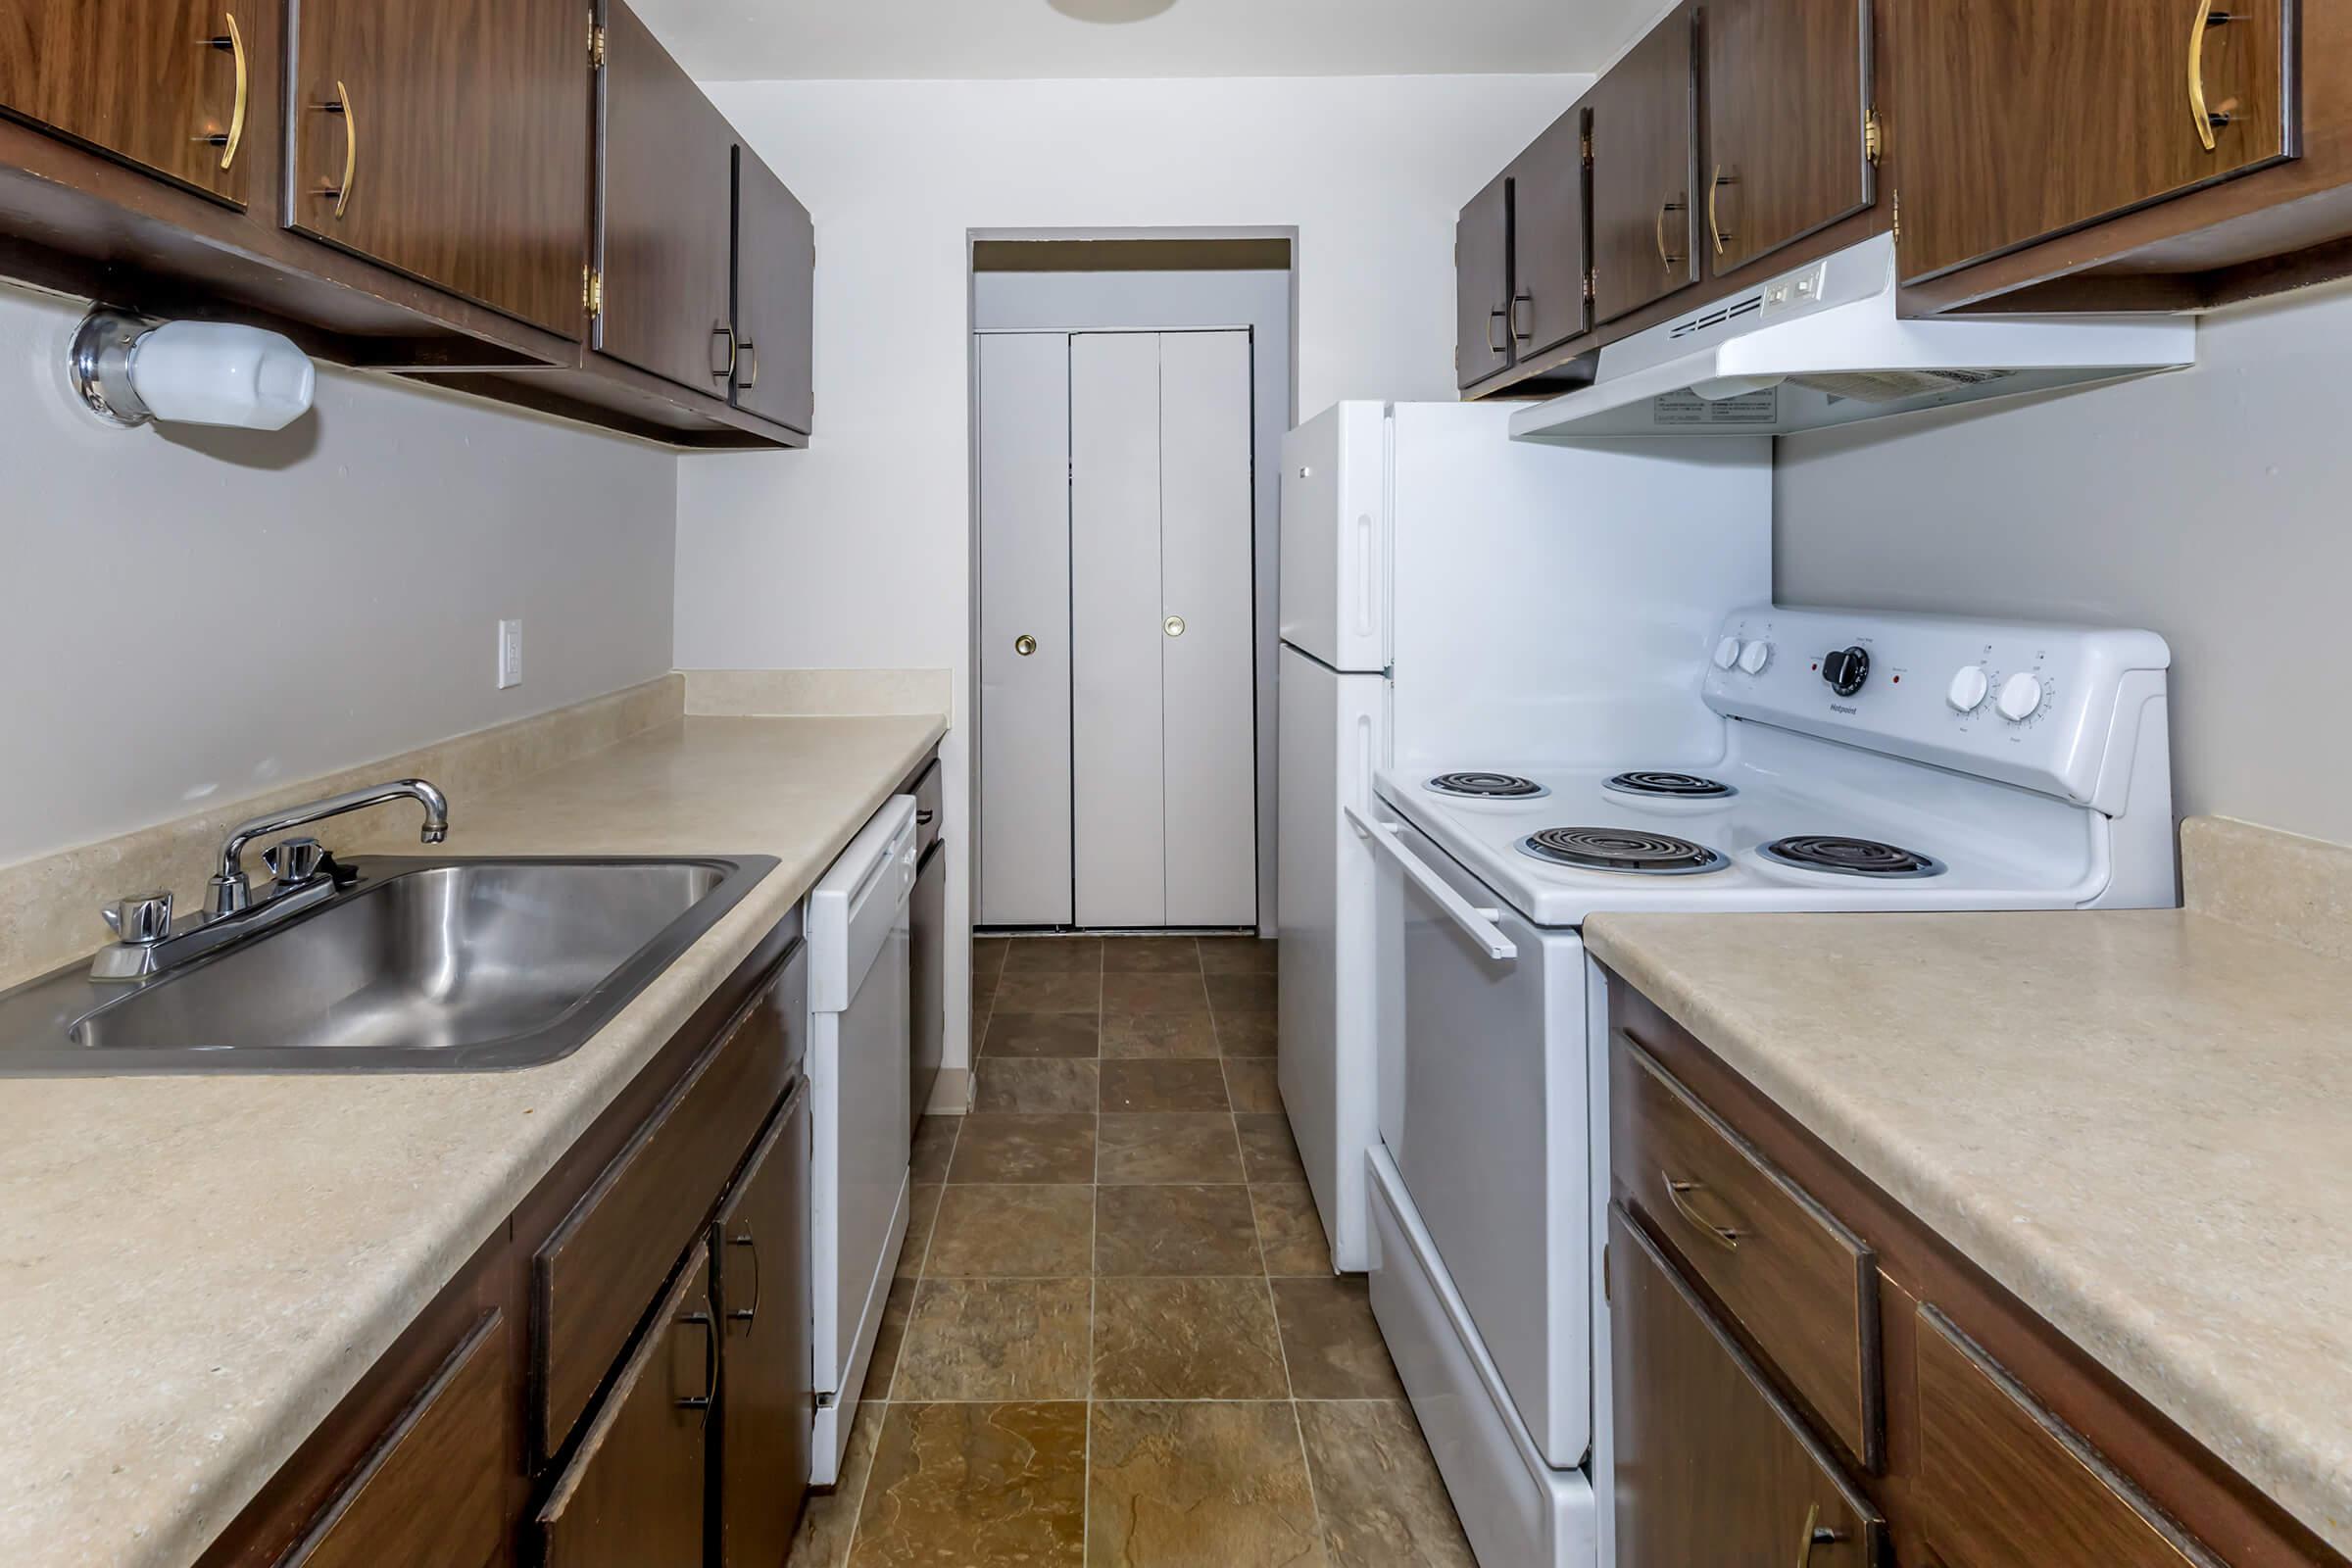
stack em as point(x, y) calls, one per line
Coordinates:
point(1480, 925)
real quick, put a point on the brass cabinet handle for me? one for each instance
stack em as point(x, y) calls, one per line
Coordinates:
point(341, 105)
point(1667, 258)
point(1714, 226)
point(1723, 1235)
point(1814, 1535)
point(720, 330)
point(746, 1314)
point(234, 42)
point(748, 352)
point(1024, 645)
point(1525, 334)
point(2206, 120)
point(1493, 347)
point(703, 1400)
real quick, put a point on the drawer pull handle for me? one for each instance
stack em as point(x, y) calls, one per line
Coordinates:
point(703, 1400)
point(1723, 1235)
point(1815, 1536)
point(751, 1313)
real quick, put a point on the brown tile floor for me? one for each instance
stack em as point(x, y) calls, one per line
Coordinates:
point(1115, 1339)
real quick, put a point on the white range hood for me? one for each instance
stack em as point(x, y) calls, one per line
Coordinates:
point(1822, 346)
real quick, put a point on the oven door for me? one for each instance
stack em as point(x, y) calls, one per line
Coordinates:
point(1483, 1108)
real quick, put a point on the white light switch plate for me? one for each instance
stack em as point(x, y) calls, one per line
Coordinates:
point(509, 653)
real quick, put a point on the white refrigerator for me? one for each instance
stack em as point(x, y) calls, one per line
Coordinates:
point(1453, 600)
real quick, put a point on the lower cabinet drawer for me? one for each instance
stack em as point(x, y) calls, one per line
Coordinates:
point(435, 1490)
point(635, 1493)
point(595, 1274)
point(2002, 1481)
point(1711, 1466)
point(1801, 1285)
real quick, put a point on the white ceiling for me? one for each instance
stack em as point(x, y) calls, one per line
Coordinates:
point(751, 40)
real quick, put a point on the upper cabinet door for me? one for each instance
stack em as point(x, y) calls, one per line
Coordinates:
point(1481, 283)
point(1644, 155)
point(1547, 238)
point(2018, 120)
point(163, 83)
point(1786, 86)
point(665, 216)
point(448, 138)
point(776, 283)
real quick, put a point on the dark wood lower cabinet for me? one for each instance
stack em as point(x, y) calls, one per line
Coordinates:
point(767, 1406)
point(2006, 1444)
point(1712, 1467)
point(634, 1494)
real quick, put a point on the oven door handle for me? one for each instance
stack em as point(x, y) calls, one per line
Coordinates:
point(1476, 923)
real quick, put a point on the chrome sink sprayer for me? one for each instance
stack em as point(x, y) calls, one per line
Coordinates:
point(303, 874)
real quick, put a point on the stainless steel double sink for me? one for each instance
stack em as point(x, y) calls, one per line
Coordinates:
point(422, 964)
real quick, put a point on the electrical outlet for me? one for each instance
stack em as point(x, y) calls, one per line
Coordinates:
point(509, 653)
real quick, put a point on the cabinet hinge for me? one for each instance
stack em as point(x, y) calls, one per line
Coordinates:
point(1589, 294)
point(1874, 137)
point(596, 44)
point(1898, 217)
point(592, 292)
point(1604, 1271)
point(1588, 149)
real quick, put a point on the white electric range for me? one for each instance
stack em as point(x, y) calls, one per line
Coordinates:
point(1867, 762)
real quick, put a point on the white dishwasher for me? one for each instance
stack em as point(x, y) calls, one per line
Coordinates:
point(859, 1022)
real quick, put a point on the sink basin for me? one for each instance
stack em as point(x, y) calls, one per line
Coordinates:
point(422, 966)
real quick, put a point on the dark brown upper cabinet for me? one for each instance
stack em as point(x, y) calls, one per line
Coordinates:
point(448, 139)
point(1786, 85)
point(665, 216)
point(775, 285)
point(1645, 157)
point(166, 84)
point(2020, 120)
point(1548, 268)
point(1481, 283)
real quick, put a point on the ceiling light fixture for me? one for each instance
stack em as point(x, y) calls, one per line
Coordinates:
point(1111, 11)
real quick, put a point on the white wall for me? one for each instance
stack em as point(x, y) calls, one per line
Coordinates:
point(857, 553)
point(192, 614)
point(2209, 504)
point(1260, 301)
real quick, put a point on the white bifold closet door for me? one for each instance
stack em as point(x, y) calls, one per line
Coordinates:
point(1024, 481)
point(1162, 704)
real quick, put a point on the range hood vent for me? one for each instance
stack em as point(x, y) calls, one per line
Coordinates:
point(1823, 346)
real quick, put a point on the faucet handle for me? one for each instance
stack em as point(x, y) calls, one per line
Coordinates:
point(141, 920)
point(295, 862)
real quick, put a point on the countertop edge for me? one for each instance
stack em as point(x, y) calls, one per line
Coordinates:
point(719, 951)
point(2296, 1480)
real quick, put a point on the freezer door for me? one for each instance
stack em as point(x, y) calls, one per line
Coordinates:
point(1333, 735)
point(1335, 537)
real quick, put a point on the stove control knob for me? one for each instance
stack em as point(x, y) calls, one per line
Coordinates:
point(1726, 652)
point(1969, 689)
point(1846, 669)
point(2019, 699)
point(1755, 656)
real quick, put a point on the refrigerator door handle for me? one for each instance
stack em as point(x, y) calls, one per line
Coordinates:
point(1368, 577)
point(1476, 923)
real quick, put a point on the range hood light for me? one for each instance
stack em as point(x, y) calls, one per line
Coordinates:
point(1725, 387)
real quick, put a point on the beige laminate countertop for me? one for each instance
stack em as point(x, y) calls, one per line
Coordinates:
point(193, 1271)
point(2138, 1122)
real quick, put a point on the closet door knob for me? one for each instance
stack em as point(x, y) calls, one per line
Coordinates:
point(1174, 625)
point(1024, 645)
